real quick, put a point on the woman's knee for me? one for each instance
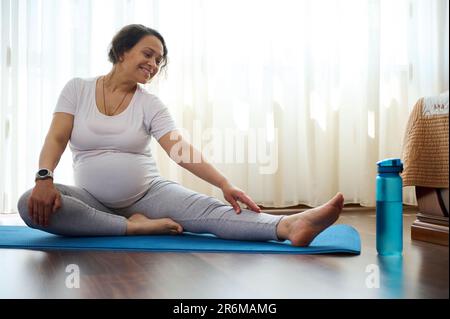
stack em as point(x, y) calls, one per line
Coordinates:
point(22, 204)
point(22, 207)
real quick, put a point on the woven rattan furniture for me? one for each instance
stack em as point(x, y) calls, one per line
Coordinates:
point(425, 157)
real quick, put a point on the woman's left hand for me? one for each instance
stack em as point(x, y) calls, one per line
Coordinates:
point(233, 194)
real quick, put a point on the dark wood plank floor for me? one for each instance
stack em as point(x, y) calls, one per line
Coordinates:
point(421, 273)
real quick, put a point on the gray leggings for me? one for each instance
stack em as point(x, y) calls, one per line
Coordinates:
point(81, 214)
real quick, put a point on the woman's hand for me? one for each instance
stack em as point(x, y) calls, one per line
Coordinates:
point(44, 200)
point(233, 194)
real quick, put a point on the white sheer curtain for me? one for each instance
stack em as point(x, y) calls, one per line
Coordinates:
point(292, 100)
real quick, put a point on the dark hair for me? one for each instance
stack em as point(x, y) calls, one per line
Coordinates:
point(127, 38)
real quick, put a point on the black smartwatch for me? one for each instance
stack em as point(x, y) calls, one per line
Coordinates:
point(44, 173)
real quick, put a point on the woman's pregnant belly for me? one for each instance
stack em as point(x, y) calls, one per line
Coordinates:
point(116, 179)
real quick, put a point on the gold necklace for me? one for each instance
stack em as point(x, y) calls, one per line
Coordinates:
point(104, 105)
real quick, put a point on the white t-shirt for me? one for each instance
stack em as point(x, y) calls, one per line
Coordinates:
point(111, 155)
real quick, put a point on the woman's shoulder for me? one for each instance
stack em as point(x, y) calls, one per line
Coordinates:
point(83, 81)
point(144, 91)
point(148, 98)
point(79, 82)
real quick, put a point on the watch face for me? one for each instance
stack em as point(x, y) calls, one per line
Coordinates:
point(42, 172)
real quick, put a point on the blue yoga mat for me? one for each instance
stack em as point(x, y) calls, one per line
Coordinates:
point(335, 239)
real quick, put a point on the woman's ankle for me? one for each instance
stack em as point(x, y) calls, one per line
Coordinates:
point(131, 228)
point(283, 228)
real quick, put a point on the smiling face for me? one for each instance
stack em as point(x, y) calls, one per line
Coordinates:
point(143, 61)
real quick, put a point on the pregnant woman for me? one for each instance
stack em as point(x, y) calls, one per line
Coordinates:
point(109, 121)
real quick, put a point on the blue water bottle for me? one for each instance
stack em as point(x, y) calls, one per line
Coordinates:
point(389, 207)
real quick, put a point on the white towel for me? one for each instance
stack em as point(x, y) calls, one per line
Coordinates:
point(435, 105)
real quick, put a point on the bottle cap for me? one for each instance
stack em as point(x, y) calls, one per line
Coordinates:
point(390, 165)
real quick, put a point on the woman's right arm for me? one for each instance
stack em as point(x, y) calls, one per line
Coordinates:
point(45, 198)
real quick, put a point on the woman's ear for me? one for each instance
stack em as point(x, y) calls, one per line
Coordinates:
point(120, 58)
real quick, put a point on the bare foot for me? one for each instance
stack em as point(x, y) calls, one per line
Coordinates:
point(303, 227)
point(138, 224)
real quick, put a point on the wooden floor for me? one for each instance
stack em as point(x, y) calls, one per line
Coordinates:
point(421, 273)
